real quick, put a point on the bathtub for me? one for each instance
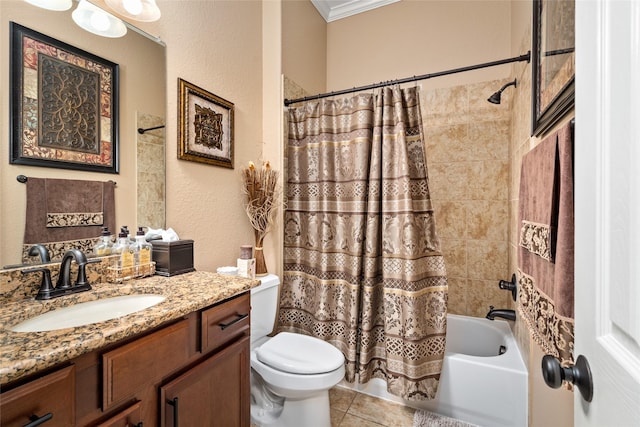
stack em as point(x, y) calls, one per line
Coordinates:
point(483, 380)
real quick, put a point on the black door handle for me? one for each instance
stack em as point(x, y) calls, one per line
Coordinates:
point(239, 317)
point(174, 403)
point(578, 374)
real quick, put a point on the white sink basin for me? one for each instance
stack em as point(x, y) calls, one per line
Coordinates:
point(89, 312)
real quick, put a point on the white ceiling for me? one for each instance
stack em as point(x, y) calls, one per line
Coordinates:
point(336, 9)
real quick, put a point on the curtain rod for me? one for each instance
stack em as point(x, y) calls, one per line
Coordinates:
point(526, 57)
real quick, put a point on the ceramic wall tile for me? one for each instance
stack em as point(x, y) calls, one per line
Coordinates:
point(487, 260)
point(489, 140)
point(488, 180)
point(457, 295)
point(487, 220)
point(446, 144)
point(468, 148)
point(451, 219)
point(449, 181)
point(455, 257)
point(151, 190)
point(485, 293)
point(445, 106)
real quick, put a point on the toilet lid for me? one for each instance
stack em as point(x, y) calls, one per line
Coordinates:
point(300, 354)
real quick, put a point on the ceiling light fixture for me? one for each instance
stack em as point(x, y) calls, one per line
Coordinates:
point(57, 5)
point(140, 10)
point(95, 20)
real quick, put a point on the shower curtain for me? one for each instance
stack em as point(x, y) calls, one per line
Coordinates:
point(362, 264)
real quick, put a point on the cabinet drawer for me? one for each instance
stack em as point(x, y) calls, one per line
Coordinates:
point(224, 322)
point(144, 361)
point(49, 396)
point(130, 417)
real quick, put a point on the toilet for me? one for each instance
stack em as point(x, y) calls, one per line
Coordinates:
point(291, 374)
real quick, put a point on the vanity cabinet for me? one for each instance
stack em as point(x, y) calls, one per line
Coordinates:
point(200, 361)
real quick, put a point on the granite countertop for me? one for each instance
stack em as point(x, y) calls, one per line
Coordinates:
point(24, 353)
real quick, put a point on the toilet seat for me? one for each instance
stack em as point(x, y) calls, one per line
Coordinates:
point(300, 354)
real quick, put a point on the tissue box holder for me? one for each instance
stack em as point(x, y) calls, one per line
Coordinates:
point(172, 258)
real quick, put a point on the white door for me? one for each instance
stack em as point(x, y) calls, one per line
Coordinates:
point(607, 209)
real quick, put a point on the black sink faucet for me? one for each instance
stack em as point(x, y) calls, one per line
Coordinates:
point(41, 251)
point(63, 284)
point(64, 281)
point(505, 314)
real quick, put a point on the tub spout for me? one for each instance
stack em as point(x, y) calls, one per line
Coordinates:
point(505, 314)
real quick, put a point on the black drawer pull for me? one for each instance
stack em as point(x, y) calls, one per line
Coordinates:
point(36, 420)
point(239, 318)
point(174, 403)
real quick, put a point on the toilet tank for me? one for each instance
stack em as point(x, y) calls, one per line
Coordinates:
point(264, 304)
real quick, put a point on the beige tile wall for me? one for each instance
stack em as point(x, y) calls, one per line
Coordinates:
point(467, 148)
point(151, 194)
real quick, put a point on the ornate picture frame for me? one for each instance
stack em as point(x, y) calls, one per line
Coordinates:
point(206, 126)
point(64, 105)
point(553, 63)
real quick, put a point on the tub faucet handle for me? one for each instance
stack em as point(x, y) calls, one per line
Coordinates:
point(511, 286)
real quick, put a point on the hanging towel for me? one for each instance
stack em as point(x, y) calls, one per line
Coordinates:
point(63, 214)
point(83, 206)
point(545, 253)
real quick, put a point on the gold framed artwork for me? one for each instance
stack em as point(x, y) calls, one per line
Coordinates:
point(64, 105)
point(206, 126)
point(553, 63)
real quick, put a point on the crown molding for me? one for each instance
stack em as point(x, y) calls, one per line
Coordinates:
point(332, 10)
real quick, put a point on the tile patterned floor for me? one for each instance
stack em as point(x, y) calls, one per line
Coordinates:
point(352, 409)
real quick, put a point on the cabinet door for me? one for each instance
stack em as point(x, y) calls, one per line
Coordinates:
point(49, 399)
point(213, 393)
point(128, 369)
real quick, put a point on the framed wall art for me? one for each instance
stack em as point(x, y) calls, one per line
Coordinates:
point(64, 105)
point(553, 63)
point(206, 126)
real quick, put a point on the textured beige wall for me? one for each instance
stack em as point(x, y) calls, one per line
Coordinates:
point(272, 117)
point(141, 73)
point(216, 45)
point(546, 406)
point(304, 45)
point(412, 37)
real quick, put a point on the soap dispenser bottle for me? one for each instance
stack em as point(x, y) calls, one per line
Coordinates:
point(143, 254)
point(126, 251)
point(104, 246)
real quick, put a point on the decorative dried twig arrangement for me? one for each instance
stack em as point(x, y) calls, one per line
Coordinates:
point(260, 203)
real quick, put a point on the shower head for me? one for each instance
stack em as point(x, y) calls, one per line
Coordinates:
point(495, 98)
